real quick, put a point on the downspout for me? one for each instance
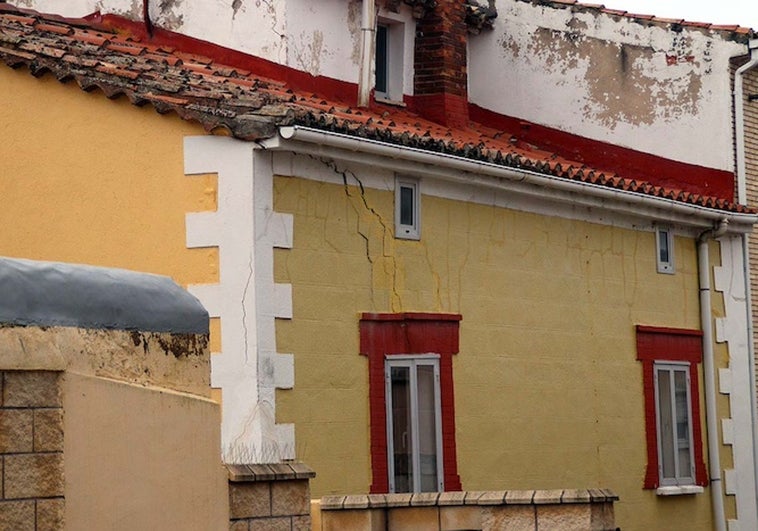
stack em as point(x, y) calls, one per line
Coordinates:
point(739, 140)
point(368, 31)
point(709, 376)
point(739, 121)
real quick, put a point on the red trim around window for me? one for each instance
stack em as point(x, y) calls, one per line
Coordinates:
point(385, 334)
point(670, 344)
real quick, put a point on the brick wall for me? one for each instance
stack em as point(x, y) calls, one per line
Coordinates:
point(750, 80)
point(440, 76)
point(272, 497)
point(31, 448)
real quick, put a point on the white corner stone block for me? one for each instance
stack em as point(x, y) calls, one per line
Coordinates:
point(282, 301)
point(727, 429)
point(725, 381)
point(285, 436)
point(730, 482)
point(202, 229)
point(721, 333)
point(281, 230)
point(284, 371)
point(210, 295)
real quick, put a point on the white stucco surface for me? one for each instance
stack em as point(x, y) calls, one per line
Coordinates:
point(245, 229)
point(657, 90)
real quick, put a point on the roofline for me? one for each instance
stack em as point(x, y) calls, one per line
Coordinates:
point(483, 174)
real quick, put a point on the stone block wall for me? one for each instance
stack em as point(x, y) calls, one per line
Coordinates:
point(31, 451)
point(272, 497)
point(532, 510)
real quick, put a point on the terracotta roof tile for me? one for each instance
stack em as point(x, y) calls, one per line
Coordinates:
point(727, 29)
point(251, 107)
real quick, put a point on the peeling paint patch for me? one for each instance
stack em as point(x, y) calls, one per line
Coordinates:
point(621, 82)
point(309, 57)
point(170, 16)
point(354, 27)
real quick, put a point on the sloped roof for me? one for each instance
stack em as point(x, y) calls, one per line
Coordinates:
point(251, 107)
point(733, 31)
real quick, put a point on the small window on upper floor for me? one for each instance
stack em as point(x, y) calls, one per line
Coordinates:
point(407, 206)
point(389, 59)
point(664, 244)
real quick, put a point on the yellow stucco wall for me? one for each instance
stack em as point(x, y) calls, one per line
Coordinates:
point(548, 390)
point(89, 180)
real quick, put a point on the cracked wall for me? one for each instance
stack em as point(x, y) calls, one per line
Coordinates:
point(548, 307)
point(658, 90)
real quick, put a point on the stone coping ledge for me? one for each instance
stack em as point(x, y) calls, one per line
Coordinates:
point(501, 497)
point(269, 472)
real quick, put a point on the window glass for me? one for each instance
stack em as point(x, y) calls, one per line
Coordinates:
point(674, 425)
point(402, 442)
point(413, 424)
point(427, 424)
point(380, 83)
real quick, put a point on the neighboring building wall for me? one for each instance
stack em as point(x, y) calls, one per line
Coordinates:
point(549, 306)
point(627, 82)
point(750, 86)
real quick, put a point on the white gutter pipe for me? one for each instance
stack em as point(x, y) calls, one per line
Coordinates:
point(739, 120)
point(479, 173)
point(709, 375)
point(368, 31)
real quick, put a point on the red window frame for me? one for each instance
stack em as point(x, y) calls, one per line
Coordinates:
point(387, 334)
point(656, 344)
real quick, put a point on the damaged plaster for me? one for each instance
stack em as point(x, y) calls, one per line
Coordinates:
point(609, 78)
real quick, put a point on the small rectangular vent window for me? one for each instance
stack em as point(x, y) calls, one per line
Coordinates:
point(407, 203)
point(665, 250)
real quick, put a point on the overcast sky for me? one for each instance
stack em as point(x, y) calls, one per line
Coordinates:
point(742, 12)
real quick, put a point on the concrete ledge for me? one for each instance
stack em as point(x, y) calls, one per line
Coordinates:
point(479, 498)
point(271, 472)
point(528, 510)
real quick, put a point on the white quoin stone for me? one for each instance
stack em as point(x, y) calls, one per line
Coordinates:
point(246, 229)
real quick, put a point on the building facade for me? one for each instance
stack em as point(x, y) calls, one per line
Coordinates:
point(528, 276)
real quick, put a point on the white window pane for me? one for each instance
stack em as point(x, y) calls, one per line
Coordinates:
point(682, 423)
point(402, 441)
point(427, 428)
point(666, 425)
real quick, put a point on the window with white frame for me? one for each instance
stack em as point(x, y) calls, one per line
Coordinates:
point(670, 359)
point(676, 464)
point(414, 436)
point(389, 59)
point(664, 244)
point(407, 206)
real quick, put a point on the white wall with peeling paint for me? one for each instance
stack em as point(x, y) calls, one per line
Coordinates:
point(609, 78)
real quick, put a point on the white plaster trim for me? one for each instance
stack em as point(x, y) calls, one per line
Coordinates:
point(245, 229)
point(725, 381)
point(727, 430)
point(735, 381)
point(679, 490)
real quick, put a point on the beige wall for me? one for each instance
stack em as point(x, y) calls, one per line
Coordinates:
point(141, 458)
point(548, 390)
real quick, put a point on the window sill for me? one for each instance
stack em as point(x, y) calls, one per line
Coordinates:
point(385, 101)
point(679, 490)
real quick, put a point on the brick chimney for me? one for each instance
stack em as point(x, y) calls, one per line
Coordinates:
point(440, 79)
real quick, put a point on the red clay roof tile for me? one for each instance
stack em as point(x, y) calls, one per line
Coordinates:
point(250, 106)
